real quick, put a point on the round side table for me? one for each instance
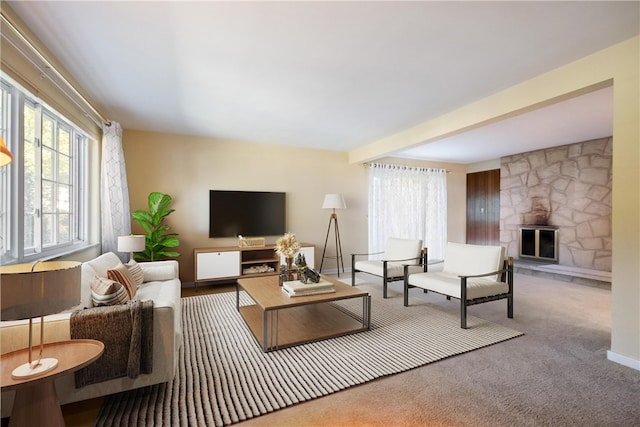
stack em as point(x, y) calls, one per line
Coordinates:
point(36, 402)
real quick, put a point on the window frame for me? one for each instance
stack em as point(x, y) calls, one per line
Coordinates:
point(13, 248)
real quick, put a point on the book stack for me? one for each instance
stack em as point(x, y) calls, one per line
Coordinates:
point(296, 288)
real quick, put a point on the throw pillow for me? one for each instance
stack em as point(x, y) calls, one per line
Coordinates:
point(136, 272)
point(107, 292)
point(121, 275)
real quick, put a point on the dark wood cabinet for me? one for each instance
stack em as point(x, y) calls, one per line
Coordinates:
point(483, 207)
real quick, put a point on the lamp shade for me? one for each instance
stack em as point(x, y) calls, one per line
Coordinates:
point(39, 289)
point(131, 243)
point(5, 155)
point(334, 201)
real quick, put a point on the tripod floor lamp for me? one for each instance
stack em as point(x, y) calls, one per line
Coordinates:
point(333, 201)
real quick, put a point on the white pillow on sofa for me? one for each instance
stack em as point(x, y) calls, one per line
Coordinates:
point(103, 263)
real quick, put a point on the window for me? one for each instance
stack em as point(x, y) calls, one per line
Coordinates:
point(409, 203)
point(43, 207)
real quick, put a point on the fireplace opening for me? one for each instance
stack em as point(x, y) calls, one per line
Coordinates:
point(539, 243)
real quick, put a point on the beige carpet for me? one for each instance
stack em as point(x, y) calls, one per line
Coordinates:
point(224, 377)
point(556, 375)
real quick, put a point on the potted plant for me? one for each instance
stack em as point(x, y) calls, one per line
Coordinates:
point(157, 238)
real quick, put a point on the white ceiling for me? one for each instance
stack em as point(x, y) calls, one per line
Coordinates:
point(331, 75)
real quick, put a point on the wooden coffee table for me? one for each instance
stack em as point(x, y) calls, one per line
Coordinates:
point(278, 320)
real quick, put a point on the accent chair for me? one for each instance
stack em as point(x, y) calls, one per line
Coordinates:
point(397, 253)
point(474, 274)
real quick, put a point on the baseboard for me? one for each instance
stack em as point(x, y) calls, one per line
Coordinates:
point(623, 360)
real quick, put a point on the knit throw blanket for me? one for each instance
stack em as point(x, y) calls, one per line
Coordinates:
point(127, 333)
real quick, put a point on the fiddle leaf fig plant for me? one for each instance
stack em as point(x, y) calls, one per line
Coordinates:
point(157, 238)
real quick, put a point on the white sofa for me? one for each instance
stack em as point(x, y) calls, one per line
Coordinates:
point(161, 284)
point(473, 274)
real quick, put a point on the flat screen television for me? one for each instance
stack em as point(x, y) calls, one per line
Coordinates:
point(246, 213)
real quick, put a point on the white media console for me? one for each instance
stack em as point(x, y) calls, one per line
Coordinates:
point(232, 262)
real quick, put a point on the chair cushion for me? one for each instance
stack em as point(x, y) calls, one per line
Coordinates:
point(398, 249)
point(393, 269)
point(467, 260)
point(449, 284)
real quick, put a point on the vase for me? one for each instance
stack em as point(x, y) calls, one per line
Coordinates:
point(290, 270)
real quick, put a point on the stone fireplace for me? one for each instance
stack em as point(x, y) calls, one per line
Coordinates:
point(566, 188)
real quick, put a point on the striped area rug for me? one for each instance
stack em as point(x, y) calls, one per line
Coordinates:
point(224, 377)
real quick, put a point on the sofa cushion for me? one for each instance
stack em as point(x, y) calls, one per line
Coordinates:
point(107, 292)
point(467, 260)
point(400, 249)
point(121, 275)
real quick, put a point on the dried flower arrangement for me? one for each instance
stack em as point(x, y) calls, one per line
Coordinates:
point(287, 245)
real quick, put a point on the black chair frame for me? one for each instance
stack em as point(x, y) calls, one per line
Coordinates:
point(506, 274)
point(385, 277)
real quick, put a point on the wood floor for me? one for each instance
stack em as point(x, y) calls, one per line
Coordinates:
point(85, 413)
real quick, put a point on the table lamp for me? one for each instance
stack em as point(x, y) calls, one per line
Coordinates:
point(38, 289)
point(131, 243)
point(334, 201)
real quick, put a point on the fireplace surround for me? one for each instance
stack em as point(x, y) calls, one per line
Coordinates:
point(539, 243)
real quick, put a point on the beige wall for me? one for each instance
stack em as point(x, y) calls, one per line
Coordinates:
point(187, 167)
point(618, 64)
point(201, 164)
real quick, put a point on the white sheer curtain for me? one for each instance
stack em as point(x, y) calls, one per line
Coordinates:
point(114, 190)
point(410, 203)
